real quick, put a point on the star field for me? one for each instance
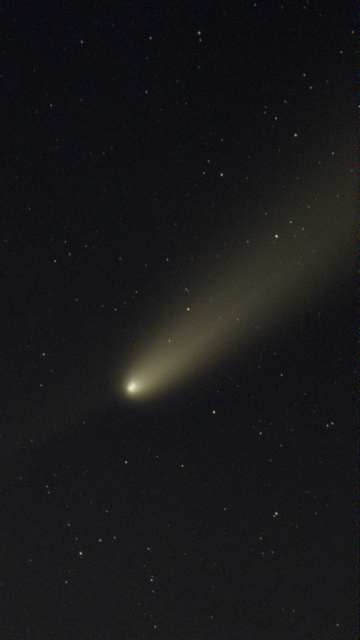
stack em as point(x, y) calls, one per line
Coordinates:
point(178, 311)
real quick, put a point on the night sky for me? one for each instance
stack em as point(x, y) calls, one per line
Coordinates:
point(153, 155)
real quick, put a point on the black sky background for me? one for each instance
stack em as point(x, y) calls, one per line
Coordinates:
point(135, 137)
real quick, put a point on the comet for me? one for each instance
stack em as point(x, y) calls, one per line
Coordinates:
point(257, 284)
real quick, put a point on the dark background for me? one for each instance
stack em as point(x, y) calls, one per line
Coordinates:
point(131, 133)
